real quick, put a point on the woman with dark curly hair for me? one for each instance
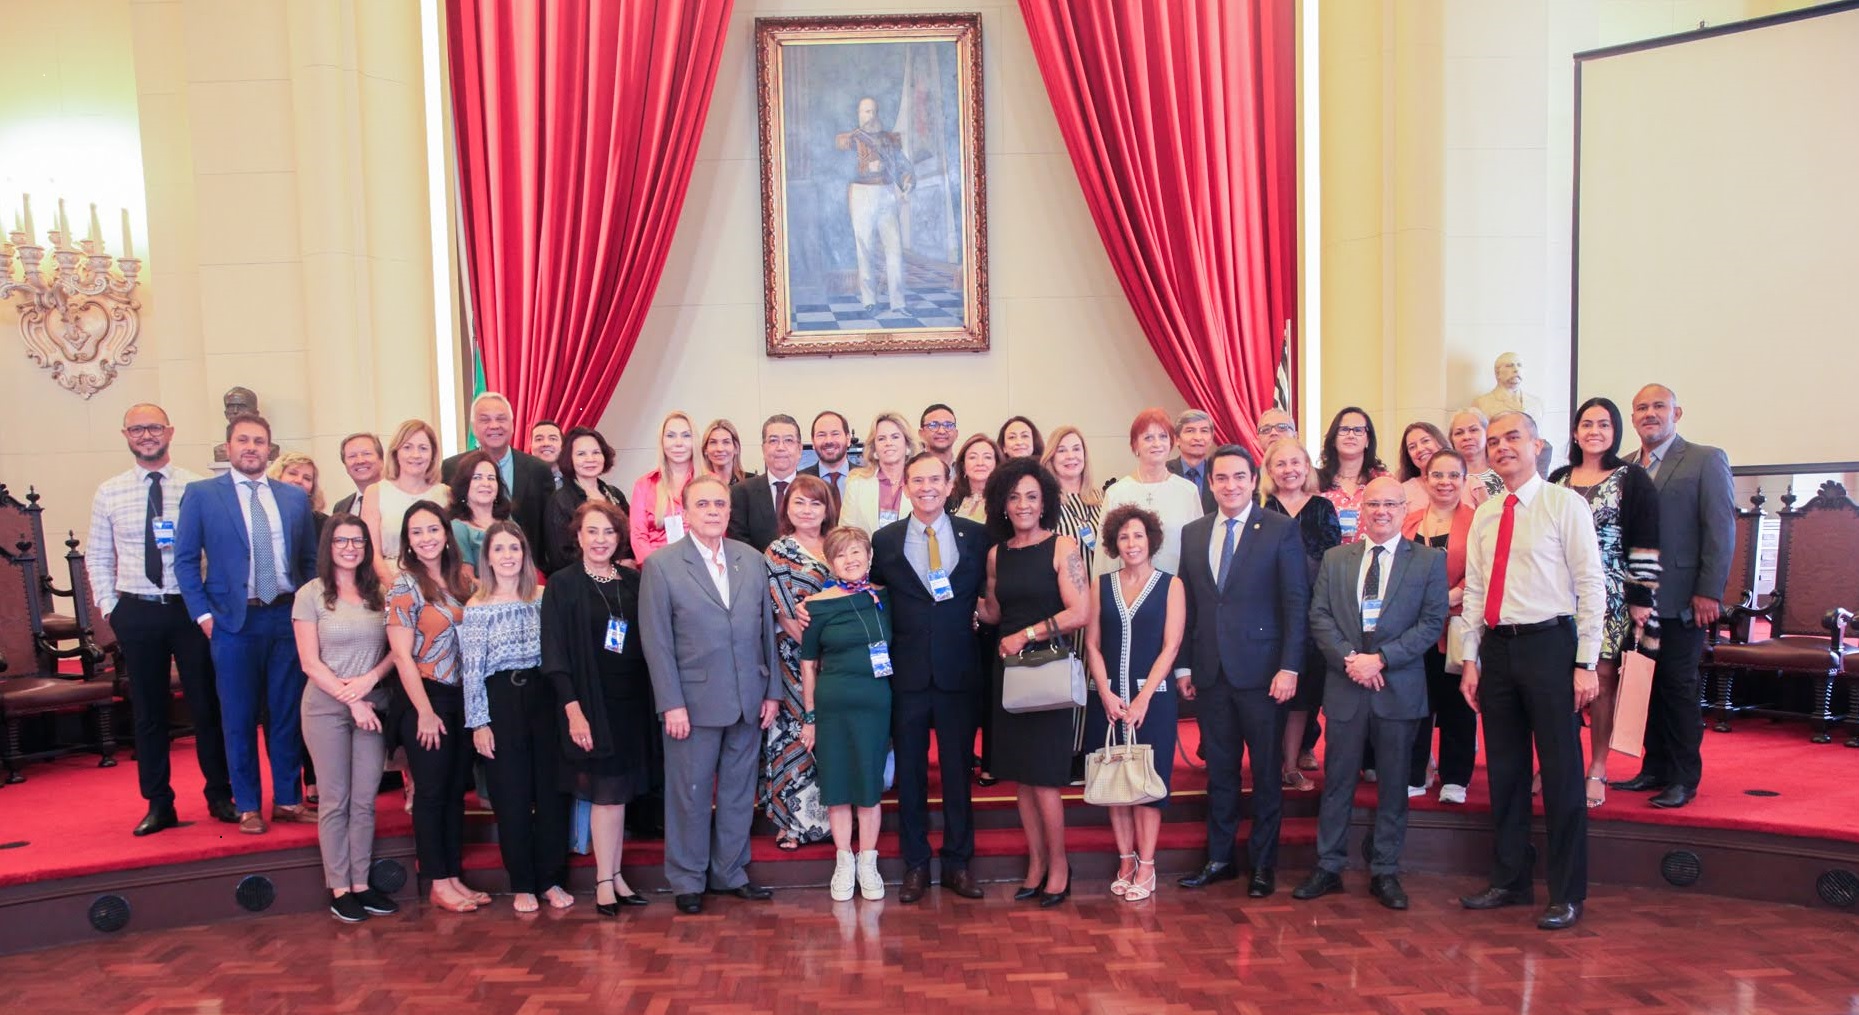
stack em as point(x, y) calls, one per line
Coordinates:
point(586, 457)
point(1131, 644)
point(1038, 593)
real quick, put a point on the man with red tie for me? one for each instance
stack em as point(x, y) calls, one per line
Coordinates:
point(1534, 598)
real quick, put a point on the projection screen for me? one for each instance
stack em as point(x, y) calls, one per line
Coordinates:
point(1717, 233)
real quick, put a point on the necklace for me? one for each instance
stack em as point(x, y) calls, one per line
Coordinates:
point(612, 573)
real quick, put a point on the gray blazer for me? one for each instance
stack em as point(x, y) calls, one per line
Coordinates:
point(1414, 606)
point(717, 663)
point(1697, 525)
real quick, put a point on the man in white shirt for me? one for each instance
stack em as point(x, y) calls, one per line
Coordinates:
point(1533, 605)
point(130, 561)
point(709, 635)
point(361, 459)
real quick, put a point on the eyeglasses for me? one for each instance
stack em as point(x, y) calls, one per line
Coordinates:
point(941, 424)
point(1267, 429)
point(146, 429)
point(1357, 431)
point(1384, 505)
point(356, 541)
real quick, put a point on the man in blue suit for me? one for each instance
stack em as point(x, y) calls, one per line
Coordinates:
point(259, 543)
point(1248, 611)
point(935, 564)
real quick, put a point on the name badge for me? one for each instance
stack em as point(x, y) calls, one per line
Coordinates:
point(616, 635)
point(164, 533)
point(1347, 517)
point(886, 517)
point(674, 528)
point(939, 585)
point(880, 659)
point(1371, 613)
point(1087, 538)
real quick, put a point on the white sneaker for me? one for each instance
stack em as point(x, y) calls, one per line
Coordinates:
point(1452, 793)
point(1416, 791)
point(845, 871)
point(870, 882)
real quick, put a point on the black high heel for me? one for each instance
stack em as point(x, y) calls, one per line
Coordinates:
point(607, 908)
point(1049, 899)
point(1029, 894)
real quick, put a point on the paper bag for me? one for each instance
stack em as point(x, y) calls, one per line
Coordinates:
point(1630, 703)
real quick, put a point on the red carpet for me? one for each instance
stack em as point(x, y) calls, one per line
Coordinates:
point(74, 818)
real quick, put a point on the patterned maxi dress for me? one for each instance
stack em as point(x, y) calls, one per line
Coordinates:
point(789, 794)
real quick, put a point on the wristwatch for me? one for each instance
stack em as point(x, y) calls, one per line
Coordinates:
point(1584, 666)
point(806, 718)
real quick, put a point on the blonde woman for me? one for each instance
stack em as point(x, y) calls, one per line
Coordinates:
point(1081, 499)
point(412, 476)
point(297, 469)
point(875, 492)
point(1288, 480)
point(657, 518)
point(722, 450)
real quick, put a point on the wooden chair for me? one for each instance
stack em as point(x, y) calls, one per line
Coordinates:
point(1741, 605)
point(32, 685)
point(1815, 582)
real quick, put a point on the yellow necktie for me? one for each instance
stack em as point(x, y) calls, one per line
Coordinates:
point(935, 549)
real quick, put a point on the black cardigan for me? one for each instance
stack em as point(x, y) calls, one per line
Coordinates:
point(572, 606)
point(559, 549)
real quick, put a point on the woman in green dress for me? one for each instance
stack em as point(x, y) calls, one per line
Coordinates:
point(845, 687)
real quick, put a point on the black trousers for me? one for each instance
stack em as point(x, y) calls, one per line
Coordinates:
point(525, 780)
point(1235, 723)
point(987, 654)
point(1457, 724)
point(440, 777)
point(1526, 691)
point(1674, 721)
point(951, 714)
point(155, 637)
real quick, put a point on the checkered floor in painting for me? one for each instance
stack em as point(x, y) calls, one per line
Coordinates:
point(923, 308)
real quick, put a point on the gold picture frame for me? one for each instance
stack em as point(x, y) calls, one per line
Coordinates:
point(874, 184)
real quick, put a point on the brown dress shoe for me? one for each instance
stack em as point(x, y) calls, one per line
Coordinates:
point(251, 824)
point(962, 883)
point(284, 814)
point(916, 882)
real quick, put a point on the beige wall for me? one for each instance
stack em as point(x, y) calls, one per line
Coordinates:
point(286, 248)
point(1066, 348)
point(1447, 137)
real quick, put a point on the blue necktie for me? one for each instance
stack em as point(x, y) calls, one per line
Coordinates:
point(1226, 548)
point(264, 562)
point(1193, 476)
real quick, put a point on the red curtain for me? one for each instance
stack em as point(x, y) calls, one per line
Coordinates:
point(577, 125)
point(1180, 117)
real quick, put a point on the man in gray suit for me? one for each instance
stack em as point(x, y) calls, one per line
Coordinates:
point(710, 642)
point(1697, 537)
point(1378, 605)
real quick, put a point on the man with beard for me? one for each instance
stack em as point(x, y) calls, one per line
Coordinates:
point(261, 543)
point(831, 440)
point(545, 443)
point(132, 577)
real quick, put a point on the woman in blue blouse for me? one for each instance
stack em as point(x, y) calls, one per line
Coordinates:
point(511, 713)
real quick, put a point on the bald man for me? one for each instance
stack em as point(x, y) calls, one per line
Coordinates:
point(130, 561)
point(1378, 605)
point(527, 479)
point(1697, 538)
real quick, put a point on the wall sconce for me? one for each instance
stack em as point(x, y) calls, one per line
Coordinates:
point(79, 319)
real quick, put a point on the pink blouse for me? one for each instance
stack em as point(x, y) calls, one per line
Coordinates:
point(647, 529)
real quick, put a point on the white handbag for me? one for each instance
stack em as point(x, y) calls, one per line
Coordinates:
point(1122, 775)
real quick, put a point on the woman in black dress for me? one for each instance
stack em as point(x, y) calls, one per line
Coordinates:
point(1038, 593)
point(586, 456)
point(1290, 487)
point(591, 651)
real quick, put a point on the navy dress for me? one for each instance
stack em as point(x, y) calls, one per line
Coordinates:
point(1131, 637)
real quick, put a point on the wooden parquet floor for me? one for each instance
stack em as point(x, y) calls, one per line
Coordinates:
point(1638, 950)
